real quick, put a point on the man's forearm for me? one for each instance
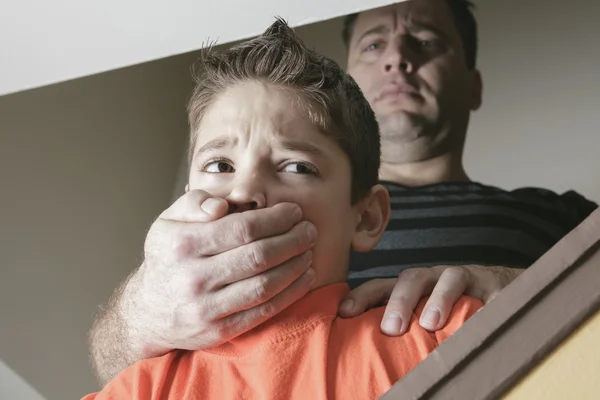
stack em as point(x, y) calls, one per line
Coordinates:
point(110, 346)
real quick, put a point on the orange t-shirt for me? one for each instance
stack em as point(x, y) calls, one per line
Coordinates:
point(305, 352)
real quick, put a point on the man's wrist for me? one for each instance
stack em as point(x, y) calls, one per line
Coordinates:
point(131, 311)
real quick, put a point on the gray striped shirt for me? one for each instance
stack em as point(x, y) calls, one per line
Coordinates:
point(468, 223)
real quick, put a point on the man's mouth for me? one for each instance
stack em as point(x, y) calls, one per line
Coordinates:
point(398, 91)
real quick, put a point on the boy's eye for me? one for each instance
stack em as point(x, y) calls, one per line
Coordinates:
point(300, 168)
point(218, 167)
point(372, 47)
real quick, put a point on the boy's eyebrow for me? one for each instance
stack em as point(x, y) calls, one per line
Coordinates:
point(216, 144)
point(303, 147)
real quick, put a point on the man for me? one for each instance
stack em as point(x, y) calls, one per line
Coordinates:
point(416, 64)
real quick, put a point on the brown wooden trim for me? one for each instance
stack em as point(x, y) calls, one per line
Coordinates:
point(509, 336)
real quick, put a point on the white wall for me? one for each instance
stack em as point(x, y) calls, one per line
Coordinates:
point(44, 42)
point(85, 166)
point(540, 120)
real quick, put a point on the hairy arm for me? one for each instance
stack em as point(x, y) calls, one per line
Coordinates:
point(111, 351)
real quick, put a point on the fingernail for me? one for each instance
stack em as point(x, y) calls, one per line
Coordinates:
point(348, 305)
point(392, 324)
point(430, 318)
point(310, 275)
point(308, 257)
point(311, 231)
point(297, 213)
point(210, 205)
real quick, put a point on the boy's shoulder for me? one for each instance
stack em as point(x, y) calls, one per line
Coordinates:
point(366, 327)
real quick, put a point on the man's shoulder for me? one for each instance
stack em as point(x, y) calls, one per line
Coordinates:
point(570, 202)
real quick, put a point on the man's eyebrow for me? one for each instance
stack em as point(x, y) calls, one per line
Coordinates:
point(302, 147)
point(216, 144)
point(419, 26)
point(378, 30)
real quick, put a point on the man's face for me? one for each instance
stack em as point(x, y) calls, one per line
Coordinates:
point(409, 61)
point(256, 148)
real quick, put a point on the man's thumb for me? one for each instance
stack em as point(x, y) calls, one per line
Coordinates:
point(370, 294)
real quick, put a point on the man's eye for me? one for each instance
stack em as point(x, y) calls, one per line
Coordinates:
point(218, 167)
point(300, 168)
point(428, 44)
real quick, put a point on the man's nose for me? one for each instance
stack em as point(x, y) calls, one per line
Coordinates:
point(247, 193)
point(399, 58)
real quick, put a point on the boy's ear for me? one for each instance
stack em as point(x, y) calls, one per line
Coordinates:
point(373, 219)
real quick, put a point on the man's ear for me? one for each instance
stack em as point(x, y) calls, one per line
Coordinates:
point(187, 187)
point(374, 216)
point(476, 90)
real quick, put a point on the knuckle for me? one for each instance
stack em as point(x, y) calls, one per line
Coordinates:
point(412, 275)
point(200, 285)
point(256, 258)
point(300, 263)
point(380, 283)
point(183, 248)
point(399, 301)
point(441, 298)
point(373, 286)
point(267, 309)
point(261, 288)
point(222, 331)
point(457, 272)
point(243, 229)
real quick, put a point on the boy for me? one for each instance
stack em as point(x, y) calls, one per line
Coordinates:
point(272, 122)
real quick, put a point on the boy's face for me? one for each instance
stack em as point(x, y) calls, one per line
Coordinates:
point(256, 147)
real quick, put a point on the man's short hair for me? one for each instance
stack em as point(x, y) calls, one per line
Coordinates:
point(330, 97)
point(462, 12)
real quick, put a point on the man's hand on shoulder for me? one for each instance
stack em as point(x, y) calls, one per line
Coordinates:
point(444, 285)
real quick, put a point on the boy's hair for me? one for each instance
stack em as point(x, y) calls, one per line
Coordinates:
point(331, 98)
point(463, 18)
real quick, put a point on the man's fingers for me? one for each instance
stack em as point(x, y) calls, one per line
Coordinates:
point(261, 255)
point(452, 284)
point(370, 294)
point(238, 229)
point(196, 206)
point(412, 284)
point(238, 323)
point(256, 290)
